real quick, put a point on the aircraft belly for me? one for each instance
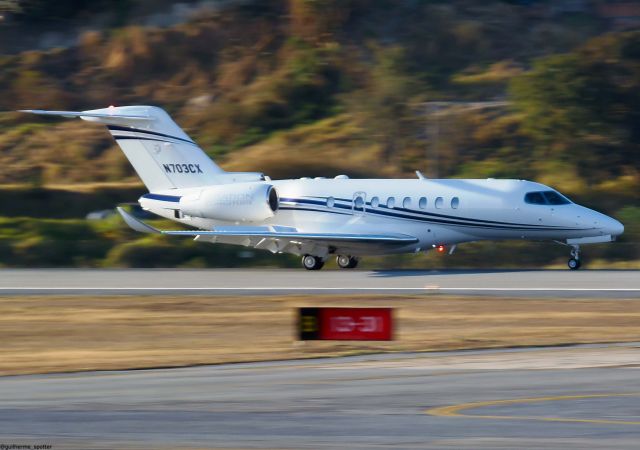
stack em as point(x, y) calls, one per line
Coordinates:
point(320, 221)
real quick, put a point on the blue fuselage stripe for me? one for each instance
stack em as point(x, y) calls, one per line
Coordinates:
point(426, 217)
point(298, 208)
point(446, 216)
point(141, 138)
point(161, 197)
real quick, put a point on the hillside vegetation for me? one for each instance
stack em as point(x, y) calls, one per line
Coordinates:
point(322, 87)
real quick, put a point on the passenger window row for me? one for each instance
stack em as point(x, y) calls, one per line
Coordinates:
point(406, 202)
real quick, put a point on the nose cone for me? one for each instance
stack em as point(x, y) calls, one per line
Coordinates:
point(613, 227)
point(596, 222)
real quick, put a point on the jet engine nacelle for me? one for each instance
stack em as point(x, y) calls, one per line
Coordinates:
point(236, 202)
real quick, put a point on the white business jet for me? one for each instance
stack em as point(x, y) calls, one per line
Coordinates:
point(318, 217)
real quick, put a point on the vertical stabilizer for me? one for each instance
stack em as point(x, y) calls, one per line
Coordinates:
point(160, 152)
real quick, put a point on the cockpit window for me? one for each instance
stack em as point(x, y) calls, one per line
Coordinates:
point(535, 198)
point(553, 198)
point(545, 198)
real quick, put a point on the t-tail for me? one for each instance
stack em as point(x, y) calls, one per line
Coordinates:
point(163, 155)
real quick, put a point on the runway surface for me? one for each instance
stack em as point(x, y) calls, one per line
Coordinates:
point(572, 397)
point(543, 283)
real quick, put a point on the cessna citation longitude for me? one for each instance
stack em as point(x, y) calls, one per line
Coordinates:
point(316, 218)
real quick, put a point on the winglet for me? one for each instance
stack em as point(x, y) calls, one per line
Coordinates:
point(420, 176)
point(136, 224)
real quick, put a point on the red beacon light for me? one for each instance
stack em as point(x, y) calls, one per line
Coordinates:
point(440, 248)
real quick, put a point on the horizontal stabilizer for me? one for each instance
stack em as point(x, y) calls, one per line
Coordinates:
point(136, 224)
point(73, 114)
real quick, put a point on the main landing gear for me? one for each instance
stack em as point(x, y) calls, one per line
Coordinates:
point(574, 262)
point(311, 262)
point(346, 262)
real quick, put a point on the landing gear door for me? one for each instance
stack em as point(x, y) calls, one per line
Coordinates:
point(359, 203)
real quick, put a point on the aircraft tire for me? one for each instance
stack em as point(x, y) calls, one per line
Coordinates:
point(343, 261)
point(346, 262)
point(574, 264)
point(311, 262)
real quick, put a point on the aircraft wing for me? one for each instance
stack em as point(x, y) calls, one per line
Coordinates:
point(279, 239)
point(275, 233)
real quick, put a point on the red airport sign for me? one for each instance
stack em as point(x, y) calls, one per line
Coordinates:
point(346, 324)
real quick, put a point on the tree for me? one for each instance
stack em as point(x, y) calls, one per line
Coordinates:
point(583, 106)
point(387, 102)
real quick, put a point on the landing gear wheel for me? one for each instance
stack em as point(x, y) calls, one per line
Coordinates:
point(311, 262)
point(574, 264)
point(346, 262)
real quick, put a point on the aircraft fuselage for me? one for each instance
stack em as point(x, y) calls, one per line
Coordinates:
point(436, 212)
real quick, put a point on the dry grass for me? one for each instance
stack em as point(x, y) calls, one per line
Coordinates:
point(78, 333)
point(85, 188)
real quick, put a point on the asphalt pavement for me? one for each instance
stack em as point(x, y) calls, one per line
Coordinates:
point(528, 283)
point(572, 397)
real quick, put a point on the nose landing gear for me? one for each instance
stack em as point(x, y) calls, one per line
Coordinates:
point(574, 262)
point(346, 262)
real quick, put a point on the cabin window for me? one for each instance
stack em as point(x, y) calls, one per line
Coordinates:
point(455, 202)
point(439, 202)
point(406, 203)
point(358, 202)
point(330, 202)
point(375, 201)
point(391, 202)
point(422, 203)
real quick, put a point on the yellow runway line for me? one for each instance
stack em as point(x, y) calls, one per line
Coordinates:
point(455, 410)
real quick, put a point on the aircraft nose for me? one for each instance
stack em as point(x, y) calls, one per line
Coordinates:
point(613, 227)
point(604, 224)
